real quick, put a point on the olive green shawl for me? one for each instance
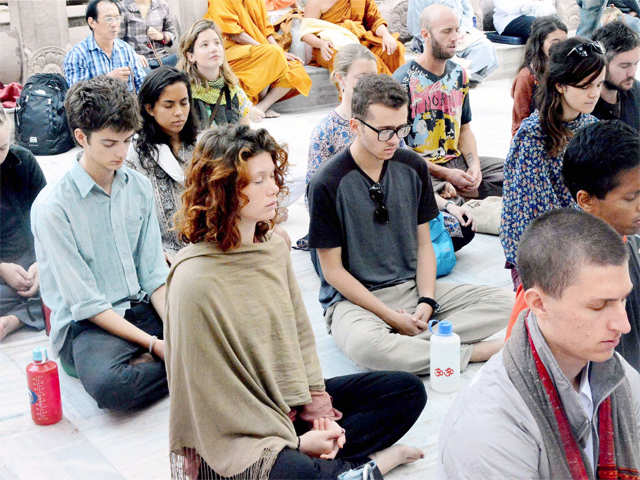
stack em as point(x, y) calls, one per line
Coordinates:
point(240, 352)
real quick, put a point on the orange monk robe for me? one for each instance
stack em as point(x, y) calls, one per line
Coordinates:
point(279, 4)
point(362, 18)
point(256, 66)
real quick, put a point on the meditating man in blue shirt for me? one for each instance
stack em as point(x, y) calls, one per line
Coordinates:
point(99, 251)
point(102, 52)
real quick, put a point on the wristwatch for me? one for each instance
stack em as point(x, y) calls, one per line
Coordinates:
point(435, 306)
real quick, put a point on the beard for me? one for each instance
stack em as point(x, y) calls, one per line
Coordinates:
point(612, 86)
point(438, 51)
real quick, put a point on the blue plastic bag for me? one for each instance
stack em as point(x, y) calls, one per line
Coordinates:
point(442, 246)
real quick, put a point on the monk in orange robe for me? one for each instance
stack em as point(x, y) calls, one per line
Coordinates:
point(363, 19)
point(254, 55)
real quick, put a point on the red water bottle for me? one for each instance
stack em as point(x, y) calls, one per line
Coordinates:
point(44, 388)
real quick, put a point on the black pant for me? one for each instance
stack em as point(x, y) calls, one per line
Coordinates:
point(467, 236)
point(519, 27)
point(378, 407)
point(101, 361)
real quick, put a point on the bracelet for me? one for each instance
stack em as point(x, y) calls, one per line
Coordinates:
point(152, 343)
point(298, 447)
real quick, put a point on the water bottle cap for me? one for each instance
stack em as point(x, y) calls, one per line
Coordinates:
point(445, 328)
point(40, 354)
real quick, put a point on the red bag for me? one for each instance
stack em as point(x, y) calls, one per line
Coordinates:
point(9, 94)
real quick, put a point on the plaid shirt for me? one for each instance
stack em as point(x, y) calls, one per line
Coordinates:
point(87, 60)
point(134, 27)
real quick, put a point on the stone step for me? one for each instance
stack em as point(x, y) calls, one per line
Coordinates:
point(323, 93)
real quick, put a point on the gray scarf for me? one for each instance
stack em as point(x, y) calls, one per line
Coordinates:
point(607, 379)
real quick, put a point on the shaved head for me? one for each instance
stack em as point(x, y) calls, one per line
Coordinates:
point(435, 15)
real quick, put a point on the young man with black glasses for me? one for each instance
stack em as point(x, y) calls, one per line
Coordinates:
point(370, 208)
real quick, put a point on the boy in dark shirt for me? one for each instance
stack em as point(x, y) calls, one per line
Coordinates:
point(21, 180)
point(620, 95)
point(370, 208)
point(602, 171)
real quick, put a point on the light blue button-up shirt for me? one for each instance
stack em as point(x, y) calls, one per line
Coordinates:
point(95, 251)
point(87, 60)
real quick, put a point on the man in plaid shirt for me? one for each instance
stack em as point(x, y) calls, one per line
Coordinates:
point(149, 27)
point(102, 53)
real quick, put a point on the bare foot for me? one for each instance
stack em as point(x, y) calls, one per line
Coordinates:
point(483, 351)
point(394, 456)
point(142, 358)
point(271, 114)
point(8, 324)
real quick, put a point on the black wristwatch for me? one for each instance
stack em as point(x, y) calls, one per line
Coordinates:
point(435, 306)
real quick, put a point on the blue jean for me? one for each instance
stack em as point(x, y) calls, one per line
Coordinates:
point(169, 60)
point(590, 13)
point(101, 361)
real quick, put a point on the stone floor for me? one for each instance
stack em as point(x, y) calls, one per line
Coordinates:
point(90, 443)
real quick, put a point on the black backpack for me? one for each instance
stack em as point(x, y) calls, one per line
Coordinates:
point(41, 123)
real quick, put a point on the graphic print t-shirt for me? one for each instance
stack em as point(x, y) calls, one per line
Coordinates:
point(438, 106)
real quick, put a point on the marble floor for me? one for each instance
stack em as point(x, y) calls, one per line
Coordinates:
point(96, 444)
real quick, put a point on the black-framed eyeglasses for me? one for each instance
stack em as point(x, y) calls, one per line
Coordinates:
point(385, 134)
point(380, 214)
point(584, 49)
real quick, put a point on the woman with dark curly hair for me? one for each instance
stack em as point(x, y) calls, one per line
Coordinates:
point(165, 143)
point(248, 398)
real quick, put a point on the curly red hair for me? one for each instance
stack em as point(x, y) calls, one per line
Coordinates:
point(214, 182)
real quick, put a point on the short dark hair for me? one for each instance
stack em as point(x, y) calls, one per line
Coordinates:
point(99, 103)
point(616, 38)
point(597, 155)
point(558, 243)
point(92, 9)
point(374, 89)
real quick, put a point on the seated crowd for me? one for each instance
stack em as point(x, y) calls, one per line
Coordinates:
point(162, 261)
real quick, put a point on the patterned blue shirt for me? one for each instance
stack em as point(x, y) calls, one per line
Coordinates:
point(87, 60)
point(533, 181)
point(95, 251)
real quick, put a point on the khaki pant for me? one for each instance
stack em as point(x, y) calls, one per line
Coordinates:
point(476, 312)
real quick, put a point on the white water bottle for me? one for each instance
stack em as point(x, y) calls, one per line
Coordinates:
point(445, 357)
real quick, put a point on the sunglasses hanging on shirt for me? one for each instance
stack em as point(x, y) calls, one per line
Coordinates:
point(380, 214)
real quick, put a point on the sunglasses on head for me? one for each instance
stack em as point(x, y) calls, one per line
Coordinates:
point(585, 49)
point(380, 214)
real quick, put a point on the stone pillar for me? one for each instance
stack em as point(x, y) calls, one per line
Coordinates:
point(188, 11)
point(44, 33)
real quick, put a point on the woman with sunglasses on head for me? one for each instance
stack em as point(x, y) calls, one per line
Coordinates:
point(164, 145)
point(333, 134)
point(545, 32)
point(248, 398)
point(533, 182)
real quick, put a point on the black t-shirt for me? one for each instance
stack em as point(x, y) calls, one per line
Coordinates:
point(21, 179)
point(627, 109)
point(342, 215)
